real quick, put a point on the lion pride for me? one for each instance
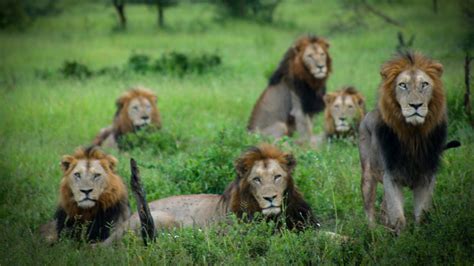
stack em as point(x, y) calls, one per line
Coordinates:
point(263, 184)
point(402, 140)
point(136, 109)
point(295, 91)
point(344, 110)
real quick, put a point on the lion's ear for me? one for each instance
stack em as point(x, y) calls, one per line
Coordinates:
point(438, 67)
point(360, 100)
point(325, 42)
point(328, 98)
point(66, 162)
point(240, 167)
point(120, 102)
point(290, 162)
point(112, 162)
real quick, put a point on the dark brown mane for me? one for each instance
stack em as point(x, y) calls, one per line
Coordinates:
point(238, 199)
point(293, 71)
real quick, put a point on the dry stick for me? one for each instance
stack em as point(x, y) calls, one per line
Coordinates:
point(380, 14)
point(467, 81)
point(146, 220)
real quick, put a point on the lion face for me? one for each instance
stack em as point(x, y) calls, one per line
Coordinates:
point(413, 91)
point(139, 111)
point(315, 60)
point(268, 182)
point(344, 109)
point(136, 108)
point(87, 177)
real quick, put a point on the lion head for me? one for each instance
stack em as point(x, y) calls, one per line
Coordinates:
point(136, 108)
point(89, 182)
point(311, 57)
point(344, 110)
point(264, 185)
point(411, 94)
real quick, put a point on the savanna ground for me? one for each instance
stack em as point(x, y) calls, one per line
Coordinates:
point(204, 118)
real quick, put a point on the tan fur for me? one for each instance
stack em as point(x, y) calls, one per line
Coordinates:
point(122, 123)
point(350, 115)
point(403, 83)
point(243, 195)
point(280, 110)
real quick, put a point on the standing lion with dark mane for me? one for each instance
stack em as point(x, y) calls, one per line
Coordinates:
point(295, 91)
point(402, 140)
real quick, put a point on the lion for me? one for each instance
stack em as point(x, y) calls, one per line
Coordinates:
point(263, 185)
point(136, 109)
point(402, 140)
point(295, 91)
point(344, 110)
point(93, 199)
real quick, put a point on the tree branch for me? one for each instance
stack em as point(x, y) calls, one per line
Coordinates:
point(146, 220)
point(380, 14)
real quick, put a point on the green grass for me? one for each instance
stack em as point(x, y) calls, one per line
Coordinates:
point(42, 119)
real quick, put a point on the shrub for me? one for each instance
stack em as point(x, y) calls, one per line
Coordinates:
point(74, 69)
point(152, 139)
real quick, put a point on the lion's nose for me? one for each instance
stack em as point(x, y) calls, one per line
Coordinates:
point(86, 191)
point(320, 66)
point(342, 118)
point(416, 105)
point(145, 117)
point(270, 199)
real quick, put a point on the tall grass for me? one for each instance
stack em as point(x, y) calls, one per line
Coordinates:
point(44, 118)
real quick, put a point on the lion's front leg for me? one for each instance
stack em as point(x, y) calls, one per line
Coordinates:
point(422, 195)
point(303, 123)
point(393, 194)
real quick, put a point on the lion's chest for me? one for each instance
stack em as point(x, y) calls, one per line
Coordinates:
point(415, 162)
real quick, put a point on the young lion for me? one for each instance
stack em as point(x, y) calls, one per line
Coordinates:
point(136, 109)
point(402, 140)
point(343, 113)
point(295, 91)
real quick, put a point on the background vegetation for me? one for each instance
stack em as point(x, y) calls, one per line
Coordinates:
point(45, 114)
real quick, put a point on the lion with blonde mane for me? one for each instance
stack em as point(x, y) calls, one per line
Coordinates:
point(264, 185)
point(343, 113)
point(93, 199)
point(295, 91)
point(402, 140)
point(136, 109)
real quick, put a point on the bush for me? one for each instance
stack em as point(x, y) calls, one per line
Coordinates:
point(179, 63)
point(74, 69)
point(260, 10)
point(152, 139)
point(19, 13)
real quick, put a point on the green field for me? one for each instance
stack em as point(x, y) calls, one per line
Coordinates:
point(43, 118)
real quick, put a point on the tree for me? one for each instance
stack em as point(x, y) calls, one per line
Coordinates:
point(120, 7)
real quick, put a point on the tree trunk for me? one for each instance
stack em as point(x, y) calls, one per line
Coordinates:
point(467, 81)
point(161, 18)
point(120, 7)
point(435, 6)
point(146, 220)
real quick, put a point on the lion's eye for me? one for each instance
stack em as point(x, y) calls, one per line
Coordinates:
point(96, 176)
point(350, 106)
point(424, 84)
point(256, 179)
point(77, 175)
point(336, 106)
point(402, 85)
point(277, 177)
point(135, 108)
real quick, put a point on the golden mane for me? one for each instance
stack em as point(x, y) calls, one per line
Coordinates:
point(292, 63)
point(122, 123)
point(114, 192)
point(389, 107)
point(238, 198)
point(329, 98)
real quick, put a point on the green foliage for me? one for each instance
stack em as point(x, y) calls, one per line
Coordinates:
point(19, 13)
point(74, 69)
point(42, 119)
point(259, 10)
point(151, 139)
